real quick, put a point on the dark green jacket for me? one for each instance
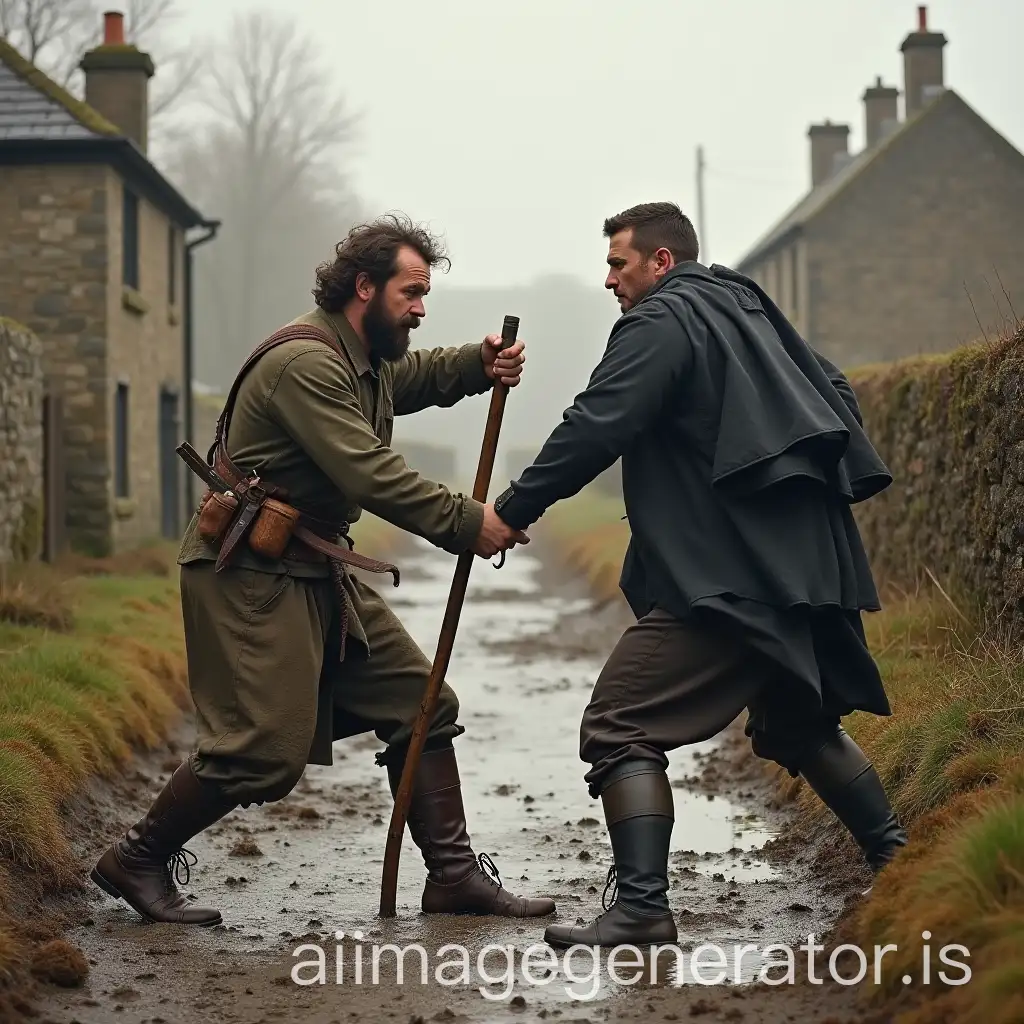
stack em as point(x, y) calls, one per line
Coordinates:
point(321, 426)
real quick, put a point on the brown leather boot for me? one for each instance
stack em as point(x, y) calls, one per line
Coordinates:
point(457, 881)
point(138, 868)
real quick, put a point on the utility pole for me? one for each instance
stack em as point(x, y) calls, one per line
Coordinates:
point(702, 239)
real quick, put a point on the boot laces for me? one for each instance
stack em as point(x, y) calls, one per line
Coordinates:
point(611, 883)
point(487, 866)
point(179, 866)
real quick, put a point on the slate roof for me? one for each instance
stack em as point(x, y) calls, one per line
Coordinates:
point(27, 113)
point(42, 123)
point(818, 198)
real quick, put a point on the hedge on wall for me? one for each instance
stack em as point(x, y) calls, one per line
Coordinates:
point(951, 430)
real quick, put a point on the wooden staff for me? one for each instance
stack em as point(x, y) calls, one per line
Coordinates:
point(445, 643)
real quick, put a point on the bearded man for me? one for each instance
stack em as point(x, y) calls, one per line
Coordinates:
point(288, 653)
point(742, 451)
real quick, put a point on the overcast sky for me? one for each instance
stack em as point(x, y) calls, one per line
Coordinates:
point(515, 128)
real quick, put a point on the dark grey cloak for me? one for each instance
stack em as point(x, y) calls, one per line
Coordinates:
point(742, 451)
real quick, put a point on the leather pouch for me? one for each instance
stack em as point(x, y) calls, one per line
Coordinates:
point(273, 528)
point(215, 515)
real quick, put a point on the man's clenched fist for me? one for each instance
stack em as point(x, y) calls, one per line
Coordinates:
point(496, 535)
point(504, 365)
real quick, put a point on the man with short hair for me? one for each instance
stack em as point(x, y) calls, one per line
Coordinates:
point(742, 450)
point(288, 652)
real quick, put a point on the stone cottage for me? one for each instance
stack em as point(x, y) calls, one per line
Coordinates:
point(96, 262)
point(907, 246)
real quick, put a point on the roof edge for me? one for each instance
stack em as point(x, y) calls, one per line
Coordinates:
point(861, 162)
point(79, 110)
point(119, 153)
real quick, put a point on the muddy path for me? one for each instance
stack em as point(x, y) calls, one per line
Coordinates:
point(299, 872)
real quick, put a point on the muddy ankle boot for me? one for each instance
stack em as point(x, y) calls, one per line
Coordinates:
point(142, 868)
point(849, 786)
point(457, 881)
point(638, 808)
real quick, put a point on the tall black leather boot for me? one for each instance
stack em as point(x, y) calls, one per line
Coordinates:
point(638, 808)
point(848, 784)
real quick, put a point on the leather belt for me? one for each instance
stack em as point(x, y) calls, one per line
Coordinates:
point(303, 532)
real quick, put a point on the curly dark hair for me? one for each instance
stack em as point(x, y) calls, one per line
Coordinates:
point(657, 225)
point(371, 249)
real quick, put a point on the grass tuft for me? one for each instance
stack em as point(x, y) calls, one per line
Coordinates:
point(60, 963)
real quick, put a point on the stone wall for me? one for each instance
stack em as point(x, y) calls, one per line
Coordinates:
point(951, 431)
point(21, 443)
point(53, 279)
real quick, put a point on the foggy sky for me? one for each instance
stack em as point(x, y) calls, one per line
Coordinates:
point(514, 129)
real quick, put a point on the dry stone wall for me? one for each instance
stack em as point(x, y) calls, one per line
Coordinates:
point(951, 430)
point(21, 443)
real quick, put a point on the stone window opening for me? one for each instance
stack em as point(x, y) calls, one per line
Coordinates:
point(795, 280)
point(172, 265)
point(121, 427)
point(130, 240)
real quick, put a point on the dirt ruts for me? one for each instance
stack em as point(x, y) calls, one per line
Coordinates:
point(306, 870)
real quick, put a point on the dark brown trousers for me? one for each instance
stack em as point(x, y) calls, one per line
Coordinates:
point(669, 683)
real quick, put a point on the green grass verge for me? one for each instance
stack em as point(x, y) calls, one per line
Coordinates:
point(951, 757)
point(91, 668)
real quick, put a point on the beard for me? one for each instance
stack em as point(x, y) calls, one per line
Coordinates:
point(387, 339)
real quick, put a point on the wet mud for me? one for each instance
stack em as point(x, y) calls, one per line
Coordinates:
point(306, 871)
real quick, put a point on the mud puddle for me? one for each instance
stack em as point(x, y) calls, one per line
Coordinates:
point(305, 872)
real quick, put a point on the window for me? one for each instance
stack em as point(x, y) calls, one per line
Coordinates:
point(172, 265)
point(794, 272)
point(130, 240)
point(121, 441)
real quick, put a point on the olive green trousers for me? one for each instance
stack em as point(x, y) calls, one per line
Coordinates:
point(270, 690)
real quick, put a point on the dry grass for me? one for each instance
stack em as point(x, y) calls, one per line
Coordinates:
point(591, 537)
point(951, 757)
point(101, 673)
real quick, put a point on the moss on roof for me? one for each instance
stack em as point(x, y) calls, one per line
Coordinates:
point(82, 112)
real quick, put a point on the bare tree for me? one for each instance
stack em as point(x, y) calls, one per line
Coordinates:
point(50, 33)
point(54, 34)
point(273, 133)
point(280, 102)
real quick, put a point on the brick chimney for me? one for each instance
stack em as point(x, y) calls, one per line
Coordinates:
point(922, 64)
point(117, 81)
point(828, 141)
point(880, 106)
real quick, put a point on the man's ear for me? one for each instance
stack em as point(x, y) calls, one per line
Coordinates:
point(664, 261)
point(365, 288)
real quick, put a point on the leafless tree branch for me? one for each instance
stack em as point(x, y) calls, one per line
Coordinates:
point(279, 102)
point(50, 33)
point(54, 34)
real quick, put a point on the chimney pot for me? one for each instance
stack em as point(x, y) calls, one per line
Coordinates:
point(881, 104)
point(113, 28)
point(922, 63)
point(827, 141)
point(117, 81)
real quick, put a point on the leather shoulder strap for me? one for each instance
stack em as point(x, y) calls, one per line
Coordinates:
point(292, 332)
